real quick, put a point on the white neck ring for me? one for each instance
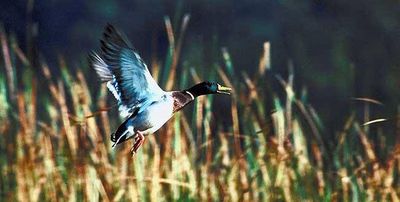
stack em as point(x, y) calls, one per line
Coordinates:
point(191, 95)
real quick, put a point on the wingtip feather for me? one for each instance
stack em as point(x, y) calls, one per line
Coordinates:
point(113, 37)
point(98, 64)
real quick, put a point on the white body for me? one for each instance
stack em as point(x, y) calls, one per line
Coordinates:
point(159, 113)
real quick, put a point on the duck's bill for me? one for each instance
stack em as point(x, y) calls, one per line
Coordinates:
point(224, 90)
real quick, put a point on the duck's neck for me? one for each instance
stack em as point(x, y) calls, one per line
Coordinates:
point(181, 99)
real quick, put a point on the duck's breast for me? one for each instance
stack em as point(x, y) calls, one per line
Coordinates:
point(155, 115)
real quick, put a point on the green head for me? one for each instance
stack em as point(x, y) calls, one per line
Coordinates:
point(207, 87)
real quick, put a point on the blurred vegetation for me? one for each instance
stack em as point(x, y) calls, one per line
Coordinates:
point(294, 129)
point(338, 48)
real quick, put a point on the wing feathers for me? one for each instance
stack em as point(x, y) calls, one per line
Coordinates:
point(100, 66)
point(130, 80)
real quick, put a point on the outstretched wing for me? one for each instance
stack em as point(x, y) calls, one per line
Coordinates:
point(127, 75)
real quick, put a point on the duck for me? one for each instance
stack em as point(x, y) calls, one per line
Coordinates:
point(142, 104)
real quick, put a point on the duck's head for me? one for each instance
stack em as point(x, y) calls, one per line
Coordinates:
point(208, 87)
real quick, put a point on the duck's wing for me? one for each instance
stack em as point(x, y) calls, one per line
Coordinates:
point(128, 76)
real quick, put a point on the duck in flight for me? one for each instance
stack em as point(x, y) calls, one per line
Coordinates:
point(141, 102)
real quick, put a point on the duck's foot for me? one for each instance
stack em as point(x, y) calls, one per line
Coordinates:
point(139, 139)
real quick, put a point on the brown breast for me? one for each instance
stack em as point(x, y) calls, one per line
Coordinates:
point(181, 99)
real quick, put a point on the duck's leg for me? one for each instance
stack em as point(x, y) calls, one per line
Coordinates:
point(139, 139)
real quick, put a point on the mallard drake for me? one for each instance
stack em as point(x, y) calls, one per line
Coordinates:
point(141, 102)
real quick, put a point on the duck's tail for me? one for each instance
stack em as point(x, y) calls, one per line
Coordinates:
point(124, 132)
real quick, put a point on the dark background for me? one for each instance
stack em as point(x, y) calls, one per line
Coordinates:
point(339, 49)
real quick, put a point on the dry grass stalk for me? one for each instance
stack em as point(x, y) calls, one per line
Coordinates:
point(8, 65)
point(265, 60)
point(176, 49)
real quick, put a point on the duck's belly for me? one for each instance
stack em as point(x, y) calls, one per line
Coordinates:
point(155, 116)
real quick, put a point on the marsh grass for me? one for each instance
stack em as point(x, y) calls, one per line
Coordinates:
point(55, 144)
